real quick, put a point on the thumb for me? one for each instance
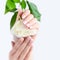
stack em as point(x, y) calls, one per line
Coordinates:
point(19, 14)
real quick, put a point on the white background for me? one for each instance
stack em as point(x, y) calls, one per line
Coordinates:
point(47, 44)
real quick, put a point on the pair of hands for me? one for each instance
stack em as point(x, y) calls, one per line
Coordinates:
point(22, 47)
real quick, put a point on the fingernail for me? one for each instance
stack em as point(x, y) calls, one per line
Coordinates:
point(21, 39)
point(28, 25)
point(23, 16)
point(31, 27)
point(24, 22)
point(31, 42)
point(31, 39)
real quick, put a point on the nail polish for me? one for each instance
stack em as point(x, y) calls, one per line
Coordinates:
point(23, 16)
point(24, 22)
point(28, 25)
point(31, 27)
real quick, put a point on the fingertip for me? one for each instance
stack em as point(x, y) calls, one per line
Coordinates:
point(33, 37)
point(19, 12)
point(28, 19)
point(13, 43)
point(30, 38)
point(26, 13)
point(21, 39)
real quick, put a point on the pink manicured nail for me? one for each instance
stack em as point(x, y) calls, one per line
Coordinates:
point(31, 27)
point(24, 22)
point(31, 39)
point(23, 16)
point(28, 25)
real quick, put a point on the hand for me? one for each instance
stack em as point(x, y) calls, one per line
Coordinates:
point(28, 19)
point(21, 49)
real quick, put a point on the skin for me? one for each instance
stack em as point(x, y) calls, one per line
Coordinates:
point(22, 47)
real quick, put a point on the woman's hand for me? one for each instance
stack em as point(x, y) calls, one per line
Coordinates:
point(28, 19)
point(21, 49)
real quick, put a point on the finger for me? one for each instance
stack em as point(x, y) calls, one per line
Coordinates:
point(17, 45)
point(28, 56)
point(13, 43)
point(22, 47)
point(33, 37)
point(25, 51)
point(15, 39)
point(25, 14)
point(31, 22)
point(35, 26)
point(19, 14)
point(28, 18)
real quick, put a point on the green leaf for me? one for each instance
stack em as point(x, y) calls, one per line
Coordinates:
point(16, 1)
point(13, 10)
point(10, 6)
point(6, 9)
point(13, 20)
point(34, 10)
point(23, 4)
